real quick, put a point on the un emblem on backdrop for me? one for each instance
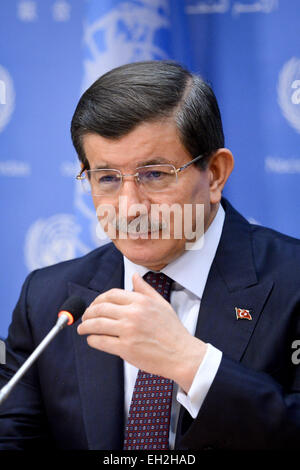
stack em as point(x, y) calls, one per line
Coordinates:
point(126, 33)
point(289, 92)
point(7, 97)
point(49, 241)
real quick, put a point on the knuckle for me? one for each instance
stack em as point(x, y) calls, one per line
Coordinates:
point(128, 327)
point(101, 308)
point(89, 312)
point(136, 317)
point(111, 293)
point(97, 310)
point(132, 324)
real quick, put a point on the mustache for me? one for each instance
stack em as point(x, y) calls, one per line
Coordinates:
point(140, 224)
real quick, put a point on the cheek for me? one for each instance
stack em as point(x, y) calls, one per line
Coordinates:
point(200, 189)
point(104, 206)
point(96, 203)
point(106, 214)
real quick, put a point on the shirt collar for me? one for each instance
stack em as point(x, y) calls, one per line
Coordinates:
point(191, 269)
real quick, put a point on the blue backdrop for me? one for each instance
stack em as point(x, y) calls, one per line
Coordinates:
point(51, 50)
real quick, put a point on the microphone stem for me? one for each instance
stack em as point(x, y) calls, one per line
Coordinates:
point(5, 391)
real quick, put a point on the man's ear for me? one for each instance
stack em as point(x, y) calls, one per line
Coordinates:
point(220, 167)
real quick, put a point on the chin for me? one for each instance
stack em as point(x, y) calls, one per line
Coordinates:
point(146, 252)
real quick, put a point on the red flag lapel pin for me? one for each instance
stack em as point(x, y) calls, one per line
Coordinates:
point(242, 313)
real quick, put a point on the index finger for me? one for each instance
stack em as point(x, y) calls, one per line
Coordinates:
point(116, 296)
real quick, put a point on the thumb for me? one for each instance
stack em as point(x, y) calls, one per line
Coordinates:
point(140, 285)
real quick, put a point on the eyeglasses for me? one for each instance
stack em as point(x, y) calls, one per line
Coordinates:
point(153, 178)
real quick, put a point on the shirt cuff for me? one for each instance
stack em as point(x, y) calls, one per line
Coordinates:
point(192, 401)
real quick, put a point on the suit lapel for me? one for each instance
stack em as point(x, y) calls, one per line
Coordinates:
point(232, 283)
point(218, 323)
point(100, 375)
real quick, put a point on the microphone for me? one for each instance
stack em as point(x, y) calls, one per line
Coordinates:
point(69, 312)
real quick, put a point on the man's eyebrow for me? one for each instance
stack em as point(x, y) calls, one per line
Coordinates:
point(149, 161)
point(152, 161)
point(103, 166)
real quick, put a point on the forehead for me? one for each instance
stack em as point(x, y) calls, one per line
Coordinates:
point(156, 141)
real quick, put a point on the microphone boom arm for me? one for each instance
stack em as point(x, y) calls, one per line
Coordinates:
point(61, 322)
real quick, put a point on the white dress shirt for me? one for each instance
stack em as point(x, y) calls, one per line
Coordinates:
point(189, 273)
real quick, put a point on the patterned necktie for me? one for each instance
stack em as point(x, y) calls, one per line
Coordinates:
point(150, 409)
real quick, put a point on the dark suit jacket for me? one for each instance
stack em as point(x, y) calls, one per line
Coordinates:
point(73, 397)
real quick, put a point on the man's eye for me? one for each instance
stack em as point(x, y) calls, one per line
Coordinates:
point(108, 179)
point(153, 175)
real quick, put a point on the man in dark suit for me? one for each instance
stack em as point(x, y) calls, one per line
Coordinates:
point(222, 340)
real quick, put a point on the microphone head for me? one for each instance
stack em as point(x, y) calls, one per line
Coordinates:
point(74, 307)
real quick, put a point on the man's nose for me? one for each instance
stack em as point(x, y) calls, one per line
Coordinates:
point(133, 195)
point(130, 188)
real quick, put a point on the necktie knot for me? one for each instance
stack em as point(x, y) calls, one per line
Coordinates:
point(160, 282)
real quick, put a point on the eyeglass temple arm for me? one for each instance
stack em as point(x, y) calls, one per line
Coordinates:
point(190, 163)
point(79, 176)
